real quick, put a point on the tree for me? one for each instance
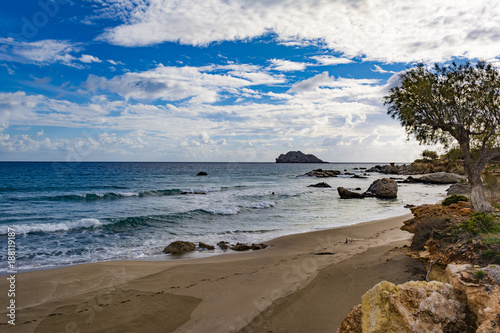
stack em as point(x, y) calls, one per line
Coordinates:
point(448, 103)
point(432, 155)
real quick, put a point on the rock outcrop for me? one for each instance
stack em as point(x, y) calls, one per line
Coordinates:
point(298, 157)
point(391, 169)
point(179, 247)
point(413, 307)
point(347, 194)
point(384, 188)
point(436, 178)
point(322, 184)
point(202, 173)
point(320, 173)
point(205, 246)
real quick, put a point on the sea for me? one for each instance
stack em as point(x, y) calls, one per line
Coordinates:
point(71, 213)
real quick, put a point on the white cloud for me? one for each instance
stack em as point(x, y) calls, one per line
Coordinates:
point(327, 60)
point(378, 69)
point(380, 30)
point(199, 84)
point(88, 59)
point(287, 65)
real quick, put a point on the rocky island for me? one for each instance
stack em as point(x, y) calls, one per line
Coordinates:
point(298, 157)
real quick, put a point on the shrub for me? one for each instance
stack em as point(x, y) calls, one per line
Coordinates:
point(481, 223)
point(424, 230)
point(491, 241)
point(454, 198)
point(479, 275)
point(489, 254)
point(430, 154)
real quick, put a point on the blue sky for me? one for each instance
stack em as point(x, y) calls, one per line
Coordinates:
point(221, 80)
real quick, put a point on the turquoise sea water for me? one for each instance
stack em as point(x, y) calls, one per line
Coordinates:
point(68, 213)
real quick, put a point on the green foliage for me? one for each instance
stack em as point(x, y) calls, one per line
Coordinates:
point(489, 254)
point(491, 241)
point(481, 223)
point(454, 198)
point(425, 229)
point(432, 155)
point(479, 275)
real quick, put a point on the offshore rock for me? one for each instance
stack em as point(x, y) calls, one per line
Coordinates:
point(384, 188)
point(298, 157)
point(322, 184)
point(415, 306)
point(346, 194)
point(241, 247)
point(202, 173)
point(223, 245)
point(320, 173)
point(202, 245)
point(179, 247)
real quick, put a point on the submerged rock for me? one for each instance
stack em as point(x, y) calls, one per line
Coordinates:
point(384, 188)
point(346, 194)
point(202, 173)
point(298, 157)
point(320, 173)
point(323, 184)
point(179, 247)
point(223, 245)
point(205, 246)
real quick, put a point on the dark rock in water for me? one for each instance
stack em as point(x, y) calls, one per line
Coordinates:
point(260, 246)
point(223, 245)
point(320, 173)
point(459, 189)
point(202, 173)
point(205, 246)
point(184, 193)
point(179, 247)
point(358, 176)
point(241, 247)
point(346, 194)
point(409, 206)
point(384, 188)
point(357, 189)
point(390, 169)
point(323, 184)
point(298, 157)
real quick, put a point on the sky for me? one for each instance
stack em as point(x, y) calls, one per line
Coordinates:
point(222, 80)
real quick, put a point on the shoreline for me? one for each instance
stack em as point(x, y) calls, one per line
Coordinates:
point(223, 293)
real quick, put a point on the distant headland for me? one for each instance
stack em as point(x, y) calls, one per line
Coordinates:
point(298, 157)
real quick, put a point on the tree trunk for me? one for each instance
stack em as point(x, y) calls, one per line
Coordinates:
point(478, 197)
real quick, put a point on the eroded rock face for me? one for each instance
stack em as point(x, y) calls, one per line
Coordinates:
point(384, 188)
point(179, 247)
point(415, 306)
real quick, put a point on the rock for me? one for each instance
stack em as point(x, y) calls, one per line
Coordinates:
point(241, 247)
point(384, 188)
point(436, 178)
point(320, 173)
point(352, 323)
point(259, 246)
point(459, 189)
point(415, 306)
point(323, 184)
point(298, 157)
point(205, 246)
point(223, 245)
point(358, 176)
point(179, 247)
point(346, 194)
point(409, 206)
point(202, 173)
point(390, 169)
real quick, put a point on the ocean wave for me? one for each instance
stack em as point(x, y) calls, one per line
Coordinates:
point(51, 227)
point(260, 205)
point(222, 211)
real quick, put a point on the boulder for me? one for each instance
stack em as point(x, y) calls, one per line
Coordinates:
point(384, 188)
point(347, 194)
point(241, 247)
point(352, 323)
point(202, 173)
point(323, 184)
point(179, 247)
point(390, 169)
point(320, 173)
point(223, 245)
point(415, 306)
point(459, 189)
point(437, 178)
point(205, 246)
point(298, 157)
point(259, 246)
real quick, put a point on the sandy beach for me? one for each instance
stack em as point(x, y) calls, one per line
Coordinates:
point(302, 283)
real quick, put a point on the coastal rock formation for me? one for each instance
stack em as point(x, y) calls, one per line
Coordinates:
point(391, 169)
point(205, 246)
point(347, 194)
point(223, 245)
point(320, 173)
point(436, 178)
point(298, 157)
point(384, 188)
point(322, 184)
point(416, 307)
point(179, 247)
point(259, 246)
point(202, 173)
point(458, 189)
